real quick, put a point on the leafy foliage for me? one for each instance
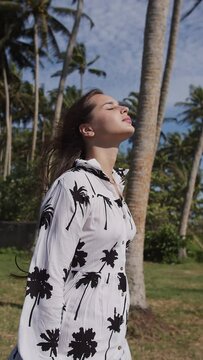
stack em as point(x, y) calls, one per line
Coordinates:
point(162, 245)
point(17, 202)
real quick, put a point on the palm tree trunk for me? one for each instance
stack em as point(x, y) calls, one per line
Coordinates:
point(76, 314)
point(109, 342)
point(81, 83)
point(7, 168)
point(10, 147)
point(189, 193)
point(168, 67)
point(35, 302)
point(69, 52)
point(143, 148)
point(36, 112)
point(67, 227)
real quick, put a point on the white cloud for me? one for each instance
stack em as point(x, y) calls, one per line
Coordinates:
point(118, 38)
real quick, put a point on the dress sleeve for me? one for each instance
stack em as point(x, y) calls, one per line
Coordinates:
point(63, 214)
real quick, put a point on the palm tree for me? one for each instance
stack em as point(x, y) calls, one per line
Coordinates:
point(43, 33)
point(170, 57)
point(170, 176)
point(12, 48)
point(47, 214)
point(38, 287)
point(81, 64)
point(68, 57)
point(71, 95)
point(132, 103)
point(193, 116)
point(108, 202)
point(51, 338)
point(110, 257)
point(79, 256)
point(143, 147)
point(79, 196)
point(90, 278)
point(116, 323)
point(83, 346)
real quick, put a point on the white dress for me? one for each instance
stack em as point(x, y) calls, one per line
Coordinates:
point(77, 296)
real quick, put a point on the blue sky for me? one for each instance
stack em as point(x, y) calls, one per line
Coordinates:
point(118, 38)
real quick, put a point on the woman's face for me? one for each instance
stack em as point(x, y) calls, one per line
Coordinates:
point(110, 123)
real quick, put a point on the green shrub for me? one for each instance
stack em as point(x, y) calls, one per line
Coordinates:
point(199, 256)
point(162, 245)
point(20, 194)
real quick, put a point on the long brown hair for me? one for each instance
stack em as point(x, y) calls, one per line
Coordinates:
point(68, 144)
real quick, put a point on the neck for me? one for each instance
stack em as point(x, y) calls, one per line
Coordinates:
point(105, 156)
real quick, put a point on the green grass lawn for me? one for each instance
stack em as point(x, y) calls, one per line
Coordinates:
point(171, 329)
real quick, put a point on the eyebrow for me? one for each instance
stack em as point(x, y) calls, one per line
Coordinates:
point(110, 103)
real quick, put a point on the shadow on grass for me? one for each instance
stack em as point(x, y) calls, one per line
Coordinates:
point(17, 306)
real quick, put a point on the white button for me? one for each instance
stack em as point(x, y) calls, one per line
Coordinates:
point(121, 268)
point(124, 216)
point(123, 242)
point(122, 294)
point(119, 347)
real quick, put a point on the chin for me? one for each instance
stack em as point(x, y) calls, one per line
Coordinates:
point(128, 133)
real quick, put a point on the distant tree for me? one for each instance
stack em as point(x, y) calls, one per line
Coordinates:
point(193, 116)
point(78, 13)
point(43, 33)
point(12, 48)
point(82, 65)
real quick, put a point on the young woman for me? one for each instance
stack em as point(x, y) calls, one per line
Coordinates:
point(77, 296)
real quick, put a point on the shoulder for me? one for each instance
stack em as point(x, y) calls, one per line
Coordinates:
point(73, 177)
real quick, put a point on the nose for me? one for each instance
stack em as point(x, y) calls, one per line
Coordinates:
point(124, 109)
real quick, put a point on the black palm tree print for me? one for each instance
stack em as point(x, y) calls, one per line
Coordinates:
point(66, 273)
point(109, 258)
point(89, 278)
point(94, 192)
point(99, 173)
point(121, 173)
point(38, 287)
point(84, 345)
point(80, 255)
point(116, 323)
point(47, 215)
point(119, 202)
point(122, 282)
point(127, 244)
point(79, 196)
point(108, 202)
point(51, 338)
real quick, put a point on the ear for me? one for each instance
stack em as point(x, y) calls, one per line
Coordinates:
point(86, 130)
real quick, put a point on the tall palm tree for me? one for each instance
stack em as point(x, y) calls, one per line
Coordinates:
point(142, 153)
point(170, 57)
point(193, 116)
point(46, 25)
point(78, 13)
point(12, 48)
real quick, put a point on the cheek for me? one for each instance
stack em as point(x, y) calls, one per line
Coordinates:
point(103, 124)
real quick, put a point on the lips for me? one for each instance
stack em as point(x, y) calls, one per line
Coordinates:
point(128, 120)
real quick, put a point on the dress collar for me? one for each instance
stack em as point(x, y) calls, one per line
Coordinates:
point(94, 167)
